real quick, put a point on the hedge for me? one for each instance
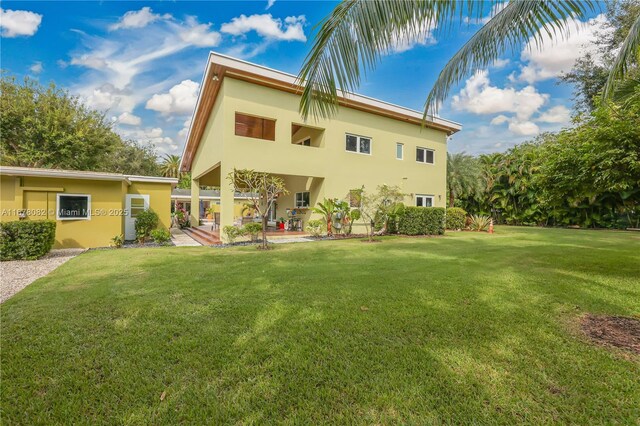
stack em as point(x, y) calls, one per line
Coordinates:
point(26, 239)
point(456, 218)
point(421, 221)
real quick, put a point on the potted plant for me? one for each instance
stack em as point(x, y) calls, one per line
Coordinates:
point(210, 212)
point(281, 223)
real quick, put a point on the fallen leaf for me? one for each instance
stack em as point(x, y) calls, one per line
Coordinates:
point(163, 395)
point(364, 308)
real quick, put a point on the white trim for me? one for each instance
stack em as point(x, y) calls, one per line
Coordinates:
point(400, 144)
point(152, 179)
point(423, 196)
point(425, 155)
point(358, 144)
point(64, 194)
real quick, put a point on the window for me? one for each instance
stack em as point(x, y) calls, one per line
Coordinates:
point(302, 199)
point(137, 206)
point(358, 144)
point(73, 206)
point(424, 155)
point(304, 142)
point(424, 200)
point(255, 127)
point(399, 151)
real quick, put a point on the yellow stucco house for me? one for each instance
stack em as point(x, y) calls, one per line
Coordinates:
point(90, 208)
point(247, 117)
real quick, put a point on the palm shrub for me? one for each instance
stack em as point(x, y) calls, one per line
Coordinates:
point(479, 223)
point(315, 227)
point(146, 221)
point(252, 229)
point(117, 241)
point(327, 208)
point(455, 218)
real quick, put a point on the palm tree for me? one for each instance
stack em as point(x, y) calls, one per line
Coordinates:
point(628, 56)
point(357, 33)
point(463, 176)
point(327, 208)
point(170, 166)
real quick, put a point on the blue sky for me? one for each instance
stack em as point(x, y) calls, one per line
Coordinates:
point(142, 63)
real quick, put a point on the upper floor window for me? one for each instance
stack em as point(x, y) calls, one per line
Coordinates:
point(399, 151)
point(302, 199)
point(255, 127)
point(424, 200)
point(358, 144)
point(304, 142)
point(424, 155)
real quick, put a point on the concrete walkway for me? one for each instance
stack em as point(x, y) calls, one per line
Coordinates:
point(290, 240)
point(180, 239)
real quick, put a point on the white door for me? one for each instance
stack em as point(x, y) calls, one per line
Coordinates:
point(135, 203)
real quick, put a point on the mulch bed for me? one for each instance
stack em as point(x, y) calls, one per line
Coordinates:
point(621, 332)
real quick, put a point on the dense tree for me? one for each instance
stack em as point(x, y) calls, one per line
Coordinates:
point(464, 177)
point(170, 166)
point(45, 126)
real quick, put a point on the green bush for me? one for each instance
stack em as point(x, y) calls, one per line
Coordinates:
point(26, 239)
point(146, 221)
point(421, 221)
point(117, 241)
point(456, 218)
point(161, 236)
point(479, 223)
point(315, 227)
point(252, 229)
point(232, 233)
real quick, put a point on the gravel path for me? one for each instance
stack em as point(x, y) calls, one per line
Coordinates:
point(17, 274)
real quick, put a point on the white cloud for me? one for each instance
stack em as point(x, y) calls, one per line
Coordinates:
point(495, 9)
point(480, 97)
point(523, 128)
point(499, 119)
point(558, 55)
point(557, 114)
point(500, 63)
point(269, 4)
point(137, 19)
point(268, 27)
point(182, 134)
point(405, 41)
point(181, 99)
point(14, 23)
point(151, 136)
point(36, 67)
point(130, 119)
point(197, 34)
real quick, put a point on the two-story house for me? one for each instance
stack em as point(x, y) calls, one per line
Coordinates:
point(247, 116)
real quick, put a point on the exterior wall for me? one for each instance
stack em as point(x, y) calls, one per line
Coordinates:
point(159, 199)
point(339, 169)
point(40, 201)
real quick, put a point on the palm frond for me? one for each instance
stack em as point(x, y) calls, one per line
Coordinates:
point(628, 55)
point(354, 37)
point(627, 92)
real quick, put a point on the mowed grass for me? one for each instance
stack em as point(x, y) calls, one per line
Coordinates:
point(467, 328)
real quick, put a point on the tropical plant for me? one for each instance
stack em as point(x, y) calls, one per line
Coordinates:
point(232, 233)
point(628, 57)
point(327, 208)
point(479, 223)
point(161, 236)
point(358, 33)
point(252, 229)
point(170, 166)
point(181, 218)
point(464, 177)
point(262, 190)
point(146, 221)
point(315, 227)
point(379, 207)
point(117, 241)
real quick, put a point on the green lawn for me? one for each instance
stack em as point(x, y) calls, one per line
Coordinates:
point(460, 329)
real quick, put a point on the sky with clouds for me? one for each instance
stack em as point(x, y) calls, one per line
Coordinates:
point(142, 63)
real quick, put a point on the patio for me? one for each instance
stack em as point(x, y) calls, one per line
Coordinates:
point(205, 235)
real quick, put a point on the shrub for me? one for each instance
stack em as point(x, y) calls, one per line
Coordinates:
point(232, 233)
point(145, 222)
point(26, 239)
point(421, 221)
point(315, 227)
point(117, 241)
point(181, 218)
point(456, 218)
point(161, 236)
point(252, 229)
point(479, 223)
